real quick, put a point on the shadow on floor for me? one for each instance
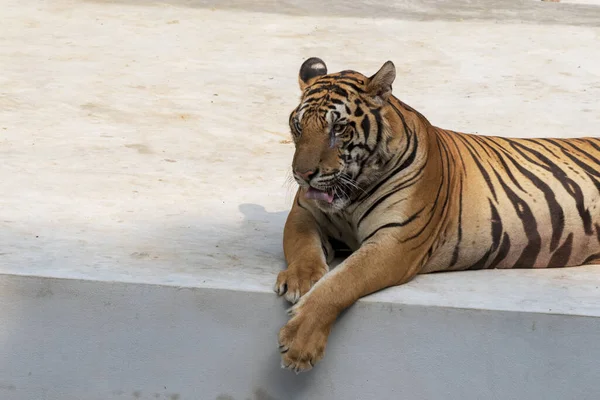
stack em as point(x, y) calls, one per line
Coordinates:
point(507, 11)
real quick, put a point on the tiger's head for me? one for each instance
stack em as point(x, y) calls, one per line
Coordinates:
point(337, 130)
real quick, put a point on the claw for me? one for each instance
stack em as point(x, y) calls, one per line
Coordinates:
point(281, 289)
point(283, 349)
point(283, 366)
point(293, 297)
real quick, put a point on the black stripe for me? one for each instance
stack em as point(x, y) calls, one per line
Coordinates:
point(480, 264)
point(348, 76)
point(366, 127)
point(358, 112)
point(315, 90)
point(497, 227)
point(362, 146)
point(540, 142)
point(583, 165)
point(534, 245)
point(560, 258)
point(307, 101)
point(402, 185)
point(379, 123)
point(557, 215)
point(351, 80)
point(459, 233)
point(591, 172)
point(570, 186)
point(300, 205)
point(480, 141)
point(596, 182)
point(475, 158)
point(496, 232)
point(588, 155)
point(592, 143)
point(357, 89)
point(457, 151)
point(593, 257)
point(395, 170)
point(506, 167)
point(395, 224)
point(338, 90)
point(444, 179)
point(503, 252)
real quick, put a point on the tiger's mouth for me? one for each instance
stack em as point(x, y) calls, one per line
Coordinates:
point(323, 195)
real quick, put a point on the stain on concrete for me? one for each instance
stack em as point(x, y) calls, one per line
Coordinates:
point(261, 394)
point(44, 292)
point(9, 387)
point(140, 255)
point(141, 148)
point(102, 111)
point(137, 394)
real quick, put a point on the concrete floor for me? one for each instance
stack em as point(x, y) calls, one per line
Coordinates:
point(147, 142)
point(150, 143)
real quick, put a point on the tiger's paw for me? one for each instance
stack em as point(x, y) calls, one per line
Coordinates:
point(302, 340)
point(296, 280)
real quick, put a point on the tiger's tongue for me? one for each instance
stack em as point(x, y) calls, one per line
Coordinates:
point(313, 193)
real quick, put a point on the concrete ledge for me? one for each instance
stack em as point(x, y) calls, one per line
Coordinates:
point(145, 153)
point(73, 339)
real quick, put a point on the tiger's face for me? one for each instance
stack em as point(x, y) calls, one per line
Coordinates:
point(337, 129)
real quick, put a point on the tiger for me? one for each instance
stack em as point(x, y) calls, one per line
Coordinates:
point(408, 198)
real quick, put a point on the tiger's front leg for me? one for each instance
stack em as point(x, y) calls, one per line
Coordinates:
point(379, 263)
point(305, 251)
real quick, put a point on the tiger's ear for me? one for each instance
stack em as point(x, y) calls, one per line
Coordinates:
point(310, 69)
point(380, 84)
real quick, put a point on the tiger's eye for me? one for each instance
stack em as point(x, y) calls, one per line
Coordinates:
point(338, 128)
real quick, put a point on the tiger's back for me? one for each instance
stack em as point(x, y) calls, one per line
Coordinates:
point(520, 203)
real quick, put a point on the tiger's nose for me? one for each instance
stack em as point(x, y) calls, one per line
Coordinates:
point(306, 175)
